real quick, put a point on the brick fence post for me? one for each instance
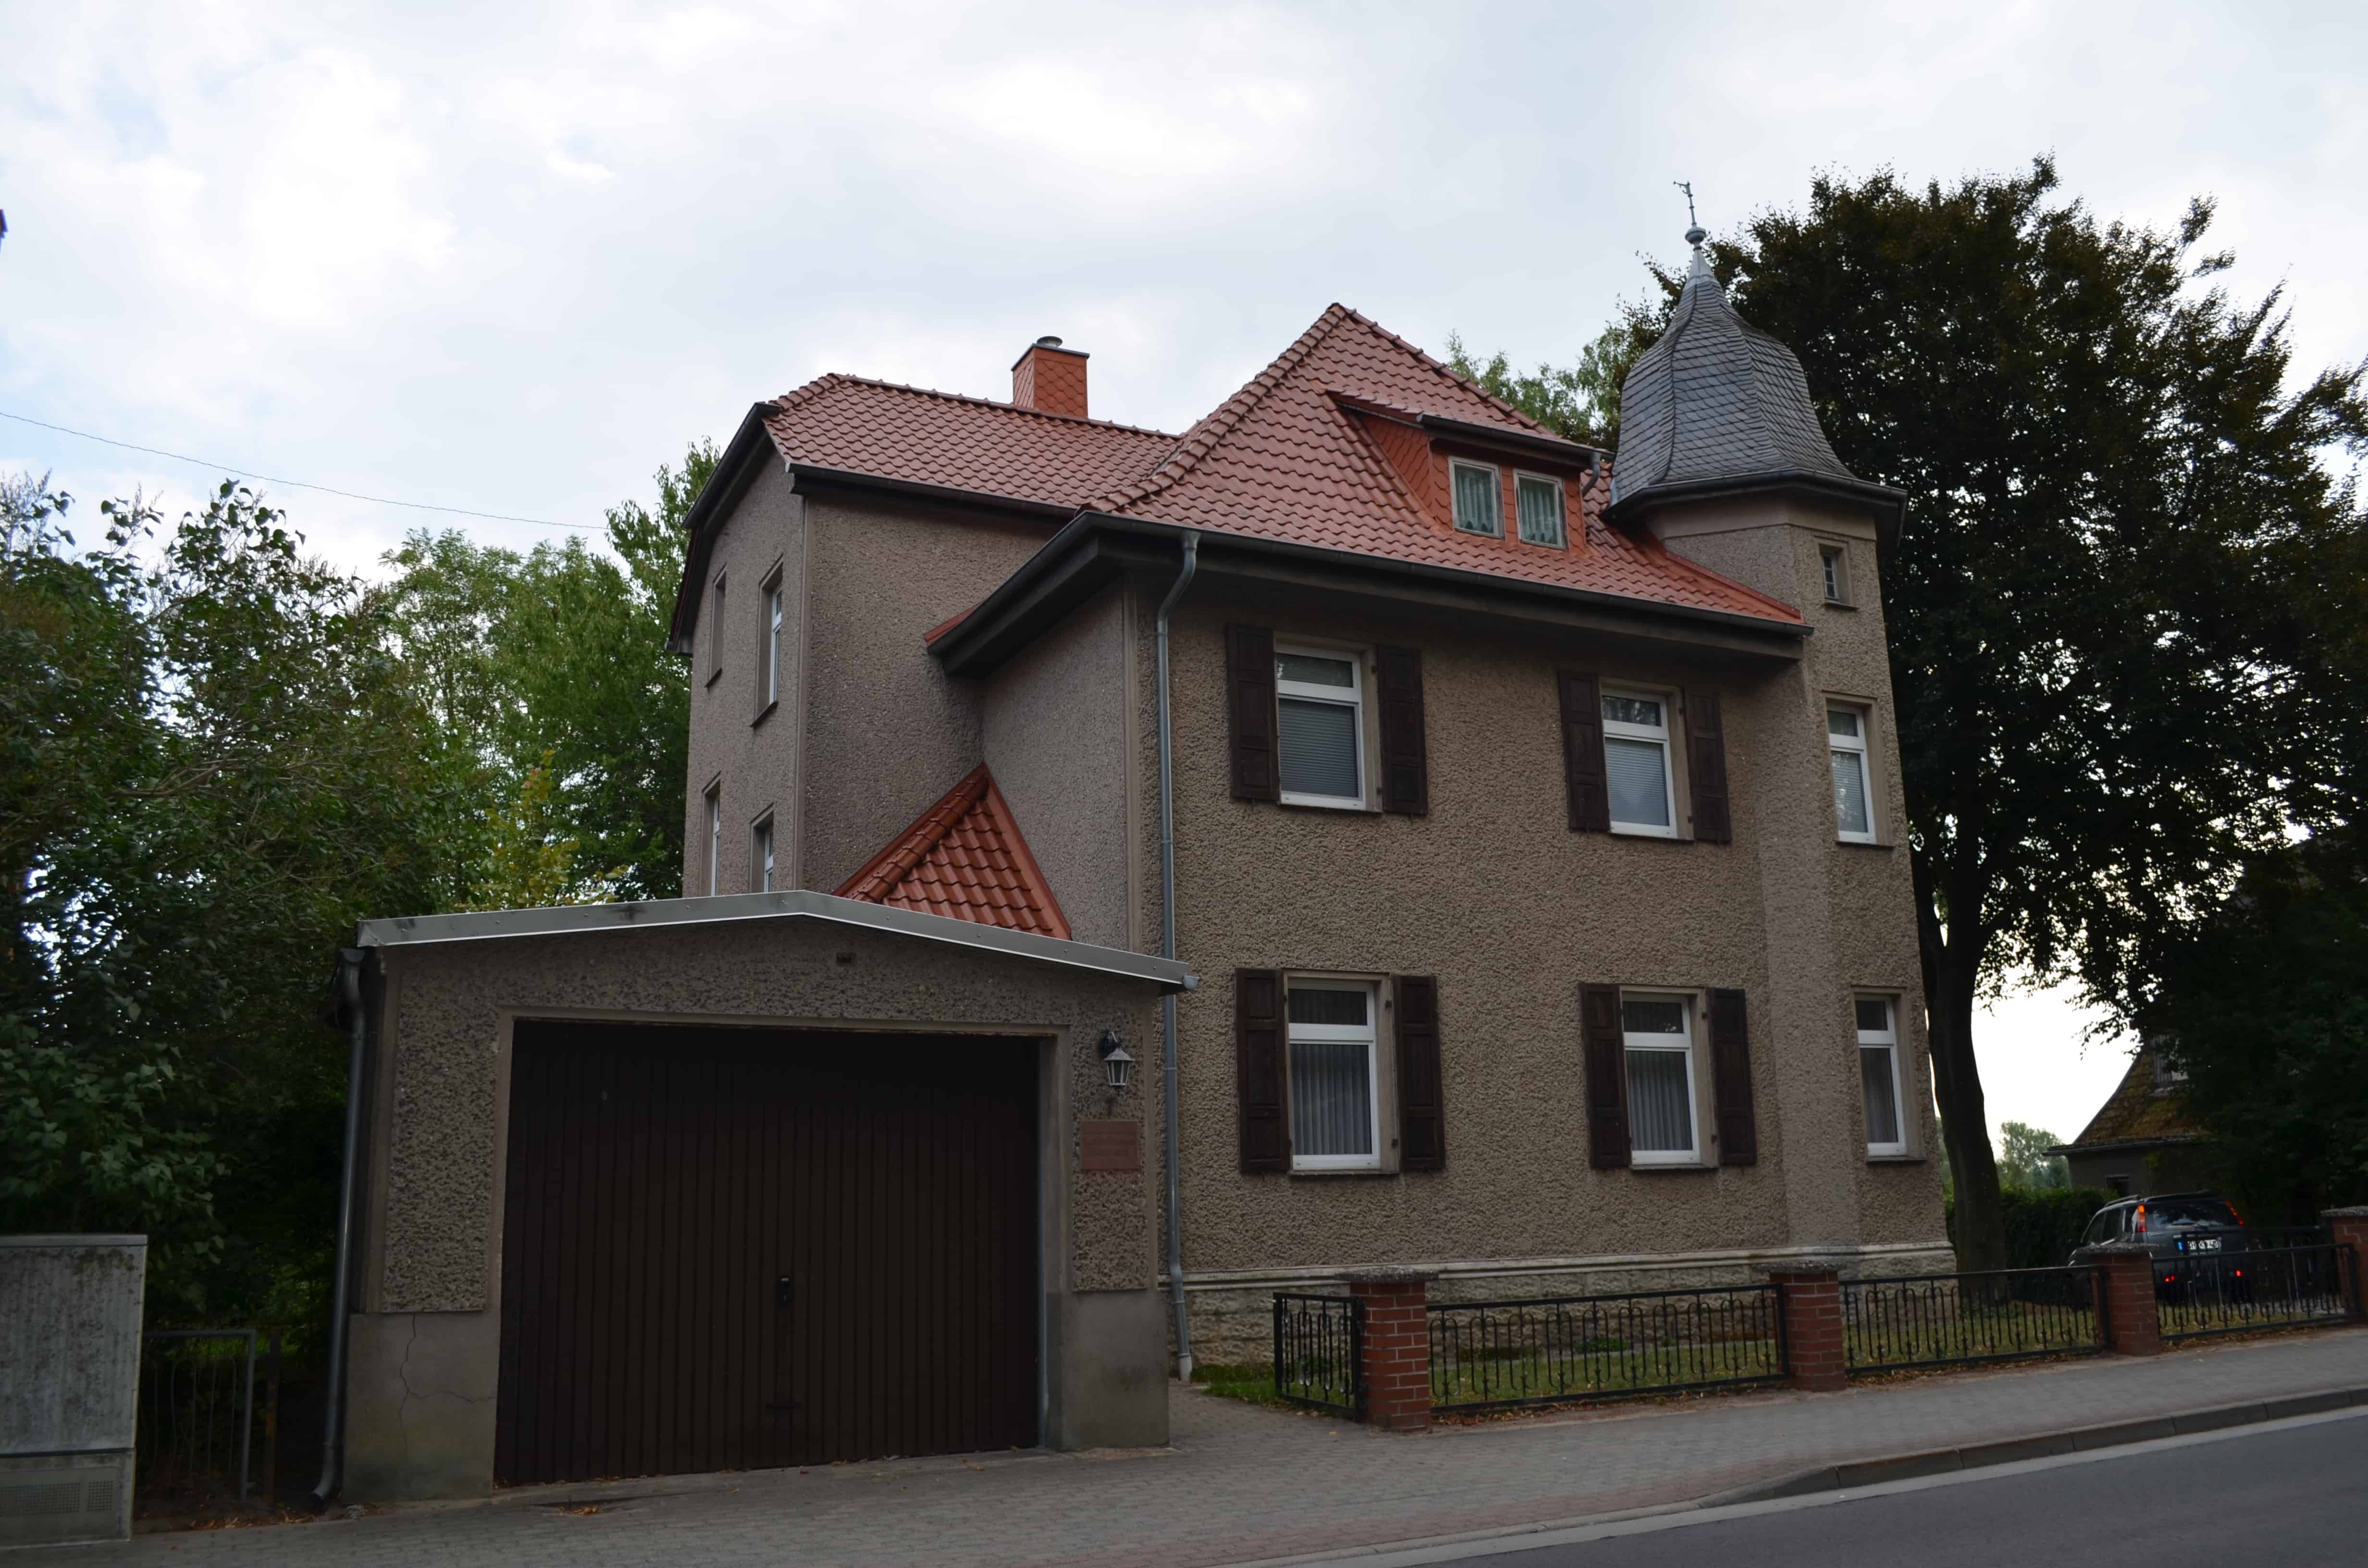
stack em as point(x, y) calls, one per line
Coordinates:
point(1809, 1304)
point(2125, 1296)
point(1397, 1345)
point(2349, 1228)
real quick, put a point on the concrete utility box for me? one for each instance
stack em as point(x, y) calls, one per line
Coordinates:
point(69, 1385)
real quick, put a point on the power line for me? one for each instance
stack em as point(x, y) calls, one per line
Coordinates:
point(293, 484)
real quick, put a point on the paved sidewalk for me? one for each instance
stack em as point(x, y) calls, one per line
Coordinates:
point(1243, 1483)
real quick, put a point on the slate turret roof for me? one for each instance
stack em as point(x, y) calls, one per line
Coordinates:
point(1718, 405)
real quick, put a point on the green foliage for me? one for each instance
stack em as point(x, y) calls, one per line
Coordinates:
point(1579, 402)
point(2042, 1224)
point(556, 659)
point(2264, 1006)
point(2023, 1160)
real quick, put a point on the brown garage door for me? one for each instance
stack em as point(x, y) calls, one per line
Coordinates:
point(726, 1249)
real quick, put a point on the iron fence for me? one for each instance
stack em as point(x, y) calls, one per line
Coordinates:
point(1999, 1315)
point(2256, 1288)
point(198, 1417)
point(1496, 1355)
point(1319, 1352)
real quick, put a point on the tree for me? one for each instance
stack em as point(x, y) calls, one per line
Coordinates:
point(556, 659)
point(2126, 612)
point(2263, 1004)
point(2025, 1164)
point(1579, 402)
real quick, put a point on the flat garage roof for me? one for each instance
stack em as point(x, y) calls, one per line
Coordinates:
point(795, 904)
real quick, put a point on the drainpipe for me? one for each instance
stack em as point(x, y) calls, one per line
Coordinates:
point(332, 1446)
point(1167, 950)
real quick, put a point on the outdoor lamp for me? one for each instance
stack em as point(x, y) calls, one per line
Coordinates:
point(1117, 1065)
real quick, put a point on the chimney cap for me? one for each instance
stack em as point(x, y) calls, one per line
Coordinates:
point(1048, 342)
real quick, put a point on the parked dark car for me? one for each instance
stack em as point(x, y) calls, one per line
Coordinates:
point(2199, 1244)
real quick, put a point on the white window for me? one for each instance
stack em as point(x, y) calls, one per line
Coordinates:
point(770, 682)
point(1335, 1115)
point(1878, 1070)
point(1835, 564)
point(714, 838)
point(1658, 1034)
point(1636, 764)
point(1539, 501)
point(1479, 499)
point(1320, 726)
point(760, 860)
point(1853, 811)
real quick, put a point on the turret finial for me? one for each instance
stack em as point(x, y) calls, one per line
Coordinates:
point(1695, 233)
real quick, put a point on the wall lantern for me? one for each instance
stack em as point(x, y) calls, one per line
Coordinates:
point(1117, 1065)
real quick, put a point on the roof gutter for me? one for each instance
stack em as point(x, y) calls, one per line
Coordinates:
point(798, 904)
point(1630, 505)
point(962, 648)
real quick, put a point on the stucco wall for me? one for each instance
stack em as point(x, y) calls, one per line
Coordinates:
point(1511, 911)
point(1057, 735)
point(887, 732)
point(751, 755)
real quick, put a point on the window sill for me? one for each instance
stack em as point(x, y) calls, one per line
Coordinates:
point(1862, 843)
point(1649, 835)
point(1360, 1172)
point(714, 676)
point(1689, 1167)
point(1895, 1159)
point(764, 713)
point(1839, 603)
point(1313, 803)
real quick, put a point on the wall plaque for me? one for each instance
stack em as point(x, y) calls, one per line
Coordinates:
point(1110, 1145)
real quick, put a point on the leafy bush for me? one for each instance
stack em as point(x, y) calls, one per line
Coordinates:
point(2042, 1224)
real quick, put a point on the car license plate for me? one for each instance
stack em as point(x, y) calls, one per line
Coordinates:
point(2205, 1244)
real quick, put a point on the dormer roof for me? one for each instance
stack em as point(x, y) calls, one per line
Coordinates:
point(1718, 406)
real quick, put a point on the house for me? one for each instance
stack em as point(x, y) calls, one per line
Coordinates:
point(2140, 1140)
point(1541, 917)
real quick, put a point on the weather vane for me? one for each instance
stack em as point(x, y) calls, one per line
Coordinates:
point(1696, 234)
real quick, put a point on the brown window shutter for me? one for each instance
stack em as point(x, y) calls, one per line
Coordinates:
point(1730, 1072)
point(1249, 686)
point(1422, 1111)
point(1405, 766)
point(1582, 760)
point(1607, 1075)
point(1257, 1059)
point(1706, 767)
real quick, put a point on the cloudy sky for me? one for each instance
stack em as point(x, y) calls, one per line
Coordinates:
point(510, 258)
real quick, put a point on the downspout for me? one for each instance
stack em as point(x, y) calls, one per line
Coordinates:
point(332, 1446)
point(1174, 1158)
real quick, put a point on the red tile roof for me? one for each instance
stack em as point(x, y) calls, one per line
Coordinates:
point(963, 857)
point(965, 443)
point(1281, 460)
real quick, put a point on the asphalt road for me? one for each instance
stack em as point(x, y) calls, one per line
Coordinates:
point(2289, 1495)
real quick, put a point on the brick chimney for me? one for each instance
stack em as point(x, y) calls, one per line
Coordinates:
point(1050, 378)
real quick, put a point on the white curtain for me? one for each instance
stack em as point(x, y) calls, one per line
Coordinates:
point(1660, 1118)
point(1331, 1097)
point(1638, 772)
point(1881, 1107)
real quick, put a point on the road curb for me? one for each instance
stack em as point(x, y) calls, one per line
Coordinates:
point(2046, 1444)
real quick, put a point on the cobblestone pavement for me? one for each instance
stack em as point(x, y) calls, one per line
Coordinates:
point(1242, 1483)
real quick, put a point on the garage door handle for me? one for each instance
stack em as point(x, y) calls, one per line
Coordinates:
point(784, 1292)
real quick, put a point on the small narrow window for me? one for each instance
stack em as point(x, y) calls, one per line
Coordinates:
point(1853, 812)
point(1835, 564)
point(1657, 1032)
point(1320, 728)
point(1539, 501)
point(1878, 1071)
point(760, 858)
point(1335, 1115)
point(715, 838)
point(1636, 764)
point(715, 630)
point(1479, 502)
point(768, 673)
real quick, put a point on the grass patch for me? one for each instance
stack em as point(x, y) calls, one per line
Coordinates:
point(1251, 1384)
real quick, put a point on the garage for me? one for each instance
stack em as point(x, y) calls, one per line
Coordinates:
point(736, 1248)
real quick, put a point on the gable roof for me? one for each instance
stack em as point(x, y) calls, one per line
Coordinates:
point(886, 431)
point(1714, 402)
point(2138, 1112)
point(964, 859)
point(1286, 459)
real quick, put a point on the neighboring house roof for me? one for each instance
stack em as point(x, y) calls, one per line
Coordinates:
point(887, 431)
point(2142, 1110)
point(964, 859)
point(796, 905)
point(1716, 403)
point(1286, 458)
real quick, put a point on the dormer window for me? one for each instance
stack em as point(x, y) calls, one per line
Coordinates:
point(1539, 501)
point(1479, 499)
